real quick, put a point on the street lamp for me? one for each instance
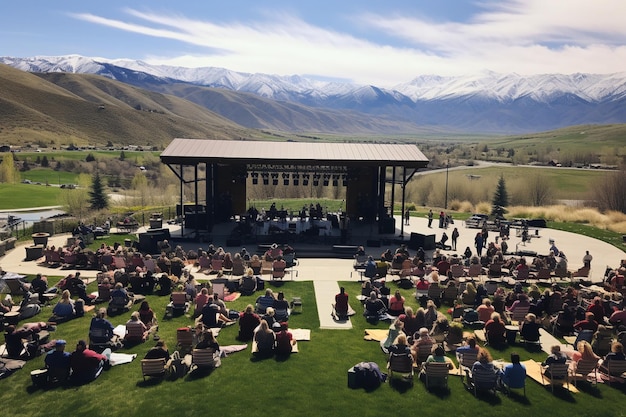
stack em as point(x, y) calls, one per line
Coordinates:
point(446, 202)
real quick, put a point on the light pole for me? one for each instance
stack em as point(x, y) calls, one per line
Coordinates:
point(446, 201)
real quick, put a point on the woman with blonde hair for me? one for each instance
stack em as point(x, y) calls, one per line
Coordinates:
point(64, 309)
point(265, 340)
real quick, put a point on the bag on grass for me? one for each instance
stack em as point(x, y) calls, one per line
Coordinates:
point(368, 375)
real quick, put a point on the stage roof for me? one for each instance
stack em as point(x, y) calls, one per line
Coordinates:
point(193, 151)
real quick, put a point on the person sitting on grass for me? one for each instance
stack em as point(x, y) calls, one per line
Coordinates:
point(374, 307)
point(86, 364)
point(64, 309)
point(341, 306)
point(284, 340)
point(616, 354)
point(495, 331)
point(265, 340)
point(58, 363)
point(248, 321)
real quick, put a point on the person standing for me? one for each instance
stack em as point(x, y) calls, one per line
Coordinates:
point(407, 217)
point(587, 260)
point(455, 237)
point(442, 217)
point(430, 218)
point(479, 242)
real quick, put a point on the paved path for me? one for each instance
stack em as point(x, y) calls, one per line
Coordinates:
point(324, 296)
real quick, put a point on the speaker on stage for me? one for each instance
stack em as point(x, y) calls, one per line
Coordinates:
point(148, 240)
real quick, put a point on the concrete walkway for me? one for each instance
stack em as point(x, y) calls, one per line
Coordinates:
point(324, 296)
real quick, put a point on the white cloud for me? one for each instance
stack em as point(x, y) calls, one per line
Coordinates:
point(524, 36)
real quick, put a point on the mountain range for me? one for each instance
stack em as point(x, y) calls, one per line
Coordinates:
point(483, 103)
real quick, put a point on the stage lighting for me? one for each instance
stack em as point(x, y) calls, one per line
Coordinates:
point(274, 178)
point(326, 179)
point(305, 179)
point(316, 180)
point(266, 178)
point(345, 180)
point(285, 178)
point(335, 180)
point(255, 177)
point(295, 178)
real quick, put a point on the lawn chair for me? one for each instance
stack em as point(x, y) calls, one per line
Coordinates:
point(450, 295)
point(435, 372)
point(582, 369)
point(401, 365)
point(154, 368)
point(466, 360)
point(179, 305)
point(613, 370)
point(556, 373)
point(184, 339)
point(204, 359)
point(482, 379)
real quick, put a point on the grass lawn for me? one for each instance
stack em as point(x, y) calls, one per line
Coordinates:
point(16, 196)
point(312, 382)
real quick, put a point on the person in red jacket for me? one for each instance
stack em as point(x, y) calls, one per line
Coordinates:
point(341, 306)
point(86, 364)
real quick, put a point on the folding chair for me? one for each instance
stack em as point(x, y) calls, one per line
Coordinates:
point(582, 369)
point(401, 365)
point(435, 372)
point(556, 373)
point(153, 368)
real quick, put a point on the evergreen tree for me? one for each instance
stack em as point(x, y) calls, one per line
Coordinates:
point(500, 198)
point(44, 162)
point(98, 199)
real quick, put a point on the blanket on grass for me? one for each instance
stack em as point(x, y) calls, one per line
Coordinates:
point(232, 297)
point(533, 371)
point(121, 358)
point(376, 335)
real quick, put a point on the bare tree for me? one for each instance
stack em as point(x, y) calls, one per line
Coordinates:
point(539, 189)
point(610, 191)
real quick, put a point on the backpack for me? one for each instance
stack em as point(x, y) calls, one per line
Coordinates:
point(368, 375)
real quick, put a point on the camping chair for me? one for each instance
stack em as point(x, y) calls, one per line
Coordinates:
point(204, 359)
point(291, 260)
point(556, 373)
point(179, 304)
point(518, 314)
point(457, 270)
point(401, 365)
point(582, 369)
point(216, 265)
point(435, 372)
point(278, 273)
point(104, 294)
point(483, 380)
point(266, 267)
point(16, 286)
point(119, 262)
point(613, 370)
point(135, 333)
point(434, 292)
point(491, 286)
point(423, 352)
point(184, 339)
point(474, 271)
point(466, 360)
point(544, 274)
point(450, 294)
point(153, 368)
point(219, 289)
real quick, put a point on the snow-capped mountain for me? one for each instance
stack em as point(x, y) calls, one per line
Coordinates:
point(481, 102)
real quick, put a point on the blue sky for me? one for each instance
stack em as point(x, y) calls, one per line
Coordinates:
point(364, 41)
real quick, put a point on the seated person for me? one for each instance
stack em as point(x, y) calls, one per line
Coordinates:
point(136, 331)
point(86, 364)
point(495, 331)
point(248, 321)
point(485, 310)
point(64, 309)
point(421, 342)
point(529, 328)
point(147, 317)
point(281, 307)
point(483, 365)
point(400, 345)
point(206, 340)
point(265, 339)
point(616, 354)
point(57, 362)
point(396, 328)
point(39, 286)
point(583, 351)
point(438, 356)
point(120, 300)
point(284, 340)
point(21, 343)
point(514, 374)
point(200, 301)
point(374, 306)
point(160, 351)
point(265, 301)
point(211, 316)
point(589, 323)
point(556, 356)
point(469, 345)
point(248, 282)
point(396, 304)
point(341, 306)
point(101, 330)
point(270, 318)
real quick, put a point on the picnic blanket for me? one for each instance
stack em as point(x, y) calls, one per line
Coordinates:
point(533, 371)
point(121, 358)
point(226, 350)
point(377, 335)
point(232, 297)
point(8, 366)
point(294, 347)
point(301, 334)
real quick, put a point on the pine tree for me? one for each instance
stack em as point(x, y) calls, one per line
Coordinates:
point(500, 198)
point(97, 197)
